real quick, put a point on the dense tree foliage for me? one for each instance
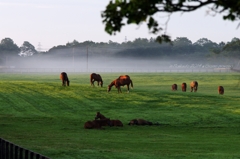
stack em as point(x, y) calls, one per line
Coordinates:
point(123, 12)
point(7, 46)
point(7, 49)
point(27, 49)
point(232, 48)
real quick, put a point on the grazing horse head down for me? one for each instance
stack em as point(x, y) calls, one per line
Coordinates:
point(121, 81)
point(174, 87)
point(220, 90)
point(96, 77)
point(139, 122)
point(112, 122)
point(194, 86)
point(64, 78)
point(184, 87)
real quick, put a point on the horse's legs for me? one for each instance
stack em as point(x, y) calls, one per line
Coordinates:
point(119, 89)
point(93, 82)
point(98, 83)
point(195, 89)
point(128, 88)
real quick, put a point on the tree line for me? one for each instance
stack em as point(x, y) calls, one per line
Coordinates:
point(140, 48)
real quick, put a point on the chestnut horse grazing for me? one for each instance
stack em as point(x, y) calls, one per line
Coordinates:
point(194, 86)
point(220, 90)
point(112, 122)
point(139, 122)
point(96, 77)
point(64, 78)
point(97, 124)
point(184, 87)
point(174, 87)
point(121, 81)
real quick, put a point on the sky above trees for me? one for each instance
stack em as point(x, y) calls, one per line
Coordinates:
point(56, 22)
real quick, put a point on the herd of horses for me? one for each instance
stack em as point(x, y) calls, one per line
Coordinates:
point(100, 121)
point(194, 87)
point(126, 80)
point(120, 81)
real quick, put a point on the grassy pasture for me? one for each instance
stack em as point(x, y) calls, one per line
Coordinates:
point(37, 113)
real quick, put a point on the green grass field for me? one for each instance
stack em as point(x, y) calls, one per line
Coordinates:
point(37, 113)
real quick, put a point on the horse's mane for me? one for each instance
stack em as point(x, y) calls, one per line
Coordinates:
point(112, 83)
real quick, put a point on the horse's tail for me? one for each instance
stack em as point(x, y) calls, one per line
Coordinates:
point(91, 79)
point(131, 83)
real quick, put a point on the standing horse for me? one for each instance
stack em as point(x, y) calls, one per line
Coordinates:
point(220, 90)
point(174, 87)
point(139, 122)
point(184, 87)
point(64, 78)
point(121, 81)
point(194, 86)
point(96, 77)
point(97, 124)
point(112, 122)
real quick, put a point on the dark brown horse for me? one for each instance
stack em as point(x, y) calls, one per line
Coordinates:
point(220, 90)
point(121, 81)
point(96, 77)
point(64, 78)
point(112, 122)
point(184, 87)
point(174, 87)
point(97, 124)
point(194, 86)
point(139, 122)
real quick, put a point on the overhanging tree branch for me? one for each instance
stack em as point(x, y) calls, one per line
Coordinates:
point(119, 13)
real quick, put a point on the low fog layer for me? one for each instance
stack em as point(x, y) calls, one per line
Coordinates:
point(112, 64)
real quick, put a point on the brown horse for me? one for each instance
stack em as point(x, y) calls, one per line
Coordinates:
point(194, 86)
point(184, 87)
point(64, 78)
point(112, 122)
point(220, 90)
point(97, 124)
point(174, 87)
point(96, 77)
point(121, 81)
point(139, 122)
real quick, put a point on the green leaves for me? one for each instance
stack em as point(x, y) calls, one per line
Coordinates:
point(122, 12)
point(163, 38)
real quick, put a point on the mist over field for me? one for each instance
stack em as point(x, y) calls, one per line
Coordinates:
point(95, 63)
